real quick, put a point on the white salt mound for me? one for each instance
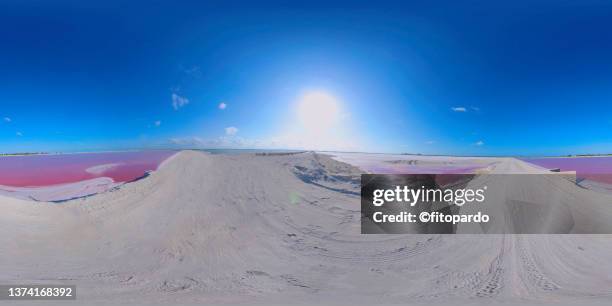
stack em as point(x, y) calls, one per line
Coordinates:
point(246, 229)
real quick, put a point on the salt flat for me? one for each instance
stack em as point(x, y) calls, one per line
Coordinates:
point(282, 229)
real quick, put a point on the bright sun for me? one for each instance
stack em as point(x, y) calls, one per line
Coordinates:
point(318, 111)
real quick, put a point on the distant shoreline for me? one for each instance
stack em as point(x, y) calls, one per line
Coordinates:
point(290, 150)
point(24, 153)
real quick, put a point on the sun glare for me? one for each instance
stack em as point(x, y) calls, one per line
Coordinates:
point(318, 111)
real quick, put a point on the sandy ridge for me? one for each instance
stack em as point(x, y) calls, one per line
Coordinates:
point(278, 229)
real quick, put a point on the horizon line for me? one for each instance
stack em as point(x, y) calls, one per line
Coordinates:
point(278, 149)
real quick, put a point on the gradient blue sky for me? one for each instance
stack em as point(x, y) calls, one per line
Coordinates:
point(479, 78)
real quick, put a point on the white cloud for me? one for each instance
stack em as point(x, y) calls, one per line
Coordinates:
point(429, 142)
point(459, 109)
point(19, 134)
point(188, 141)
point(158, 123)
point(7, 119)
point(297, 133)
point(237, 142)
point(231, 130)
point(479, 143)
point(233, 142)
point(178, 101)
point(220, 142)
point(194, 72)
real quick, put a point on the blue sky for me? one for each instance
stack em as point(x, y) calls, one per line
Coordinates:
point(476, 78)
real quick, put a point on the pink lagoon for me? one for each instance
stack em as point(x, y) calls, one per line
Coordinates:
point(57, 177)
point(593, 168)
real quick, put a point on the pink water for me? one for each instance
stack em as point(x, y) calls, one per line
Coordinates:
point(593, 168)
point(46, 170)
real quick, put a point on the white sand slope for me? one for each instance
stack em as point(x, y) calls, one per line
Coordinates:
point(216, 229)
point(60, 192)
point(527, 203)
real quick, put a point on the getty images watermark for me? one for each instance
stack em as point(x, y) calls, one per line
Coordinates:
point(547, 203)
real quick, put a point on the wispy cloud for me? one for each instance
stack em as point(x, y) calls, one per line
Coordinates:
point(236, 142)
point(231, 130)
point(193, 71)
point(479, 143)
point(188, 141)
point(7, 119)
point(19, 134)
point(430, 142)
point(219, 142)
point(178, 101)
point(222, 106)
point(475, 108)
point(459, 109)
point(158, 123)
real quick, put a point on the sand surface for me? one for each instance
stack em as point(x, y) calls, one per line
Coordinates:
point(60, 192)
point(246, 229)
